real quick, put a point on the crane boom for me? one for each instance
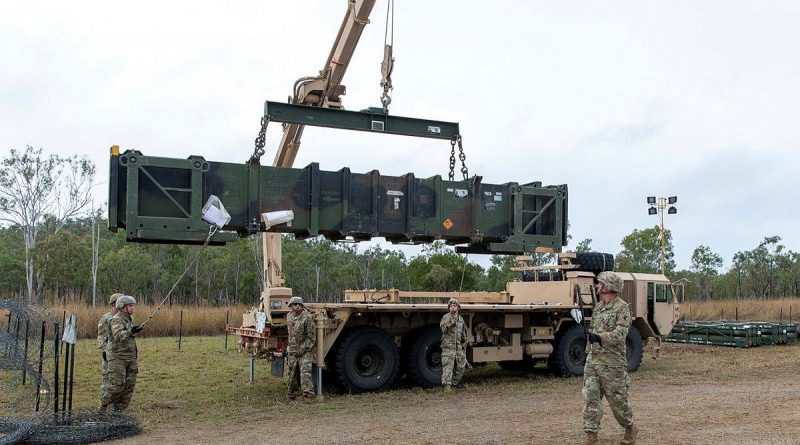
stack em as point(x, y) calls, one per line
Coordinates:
point(324, 90)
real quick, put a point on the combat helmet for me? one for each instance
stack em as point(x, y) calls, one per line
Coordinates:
point(454, 301)
point(611, 281)
point(296, 300)
point(113, 299)
point(125, 300)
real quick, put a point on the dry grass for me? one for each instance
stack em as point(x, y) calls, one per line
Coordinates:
point(203, 320)
point(748, 309)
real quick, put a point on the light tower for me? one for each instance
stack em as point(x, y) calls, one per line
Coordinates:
point(657, 206)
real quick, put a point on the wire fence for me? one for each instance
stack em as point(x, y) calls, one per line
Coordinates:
point(36, 381)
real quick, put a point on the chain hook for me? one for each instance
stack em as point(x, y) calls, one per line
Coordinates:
point(451, 175)
point(261, 139)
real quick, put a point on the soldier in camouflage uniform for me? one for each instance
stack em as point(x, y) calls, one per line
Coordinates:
point(454, 338)
point(605, 373)
point(103, 337)
point(302, 338)
point(122, 356)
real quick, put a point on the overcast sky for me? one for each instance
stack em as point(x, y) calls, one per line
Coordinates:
point(619, 100)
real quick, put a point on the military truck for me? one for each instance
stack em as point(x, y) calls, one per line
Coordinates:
point(374, 337)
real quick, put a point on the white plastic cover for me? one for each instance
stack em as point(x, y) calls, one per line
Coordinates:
point(214, 212)
point(261, 321)
point(71, 330)
point(278, 217)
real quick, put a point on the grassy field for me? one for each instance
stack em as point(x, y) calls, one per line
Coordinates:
point(207, 320)
point(750, 309)
point(203, 320)
point(203, 390)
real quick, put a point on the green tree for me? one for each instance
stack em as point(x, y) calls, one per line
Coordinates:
point(127, 270)
point(500, 273)
point(705, 266)
point(35, 187)
point(584, 246)
point(641, 250)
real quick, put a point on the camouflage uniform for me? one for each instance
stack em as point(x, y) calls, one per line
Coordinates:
point(606, 372)
point(122, 363)
point(103, 338)
point(302, 338)
point(454, 359)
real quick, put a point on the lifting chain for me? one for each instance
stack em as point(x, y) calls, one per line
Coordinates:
point(461, 156)
point(387, 66)
point(261, 139)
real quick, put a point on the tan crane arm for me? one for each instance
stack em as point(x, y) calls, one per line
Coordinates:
point(324, 91)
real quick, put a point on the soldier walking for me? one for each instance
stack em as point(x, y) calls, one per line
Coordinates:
point(122, 356)
point(103, 338)
point(605, 373)
point(302, 338)
point(454, 339)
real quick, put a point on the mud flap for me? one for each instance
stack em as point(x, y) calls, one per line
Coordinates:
point(277, 366)
point(657, 348)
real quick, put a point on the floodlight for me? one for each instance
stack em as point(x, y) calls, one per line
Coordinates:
point(651, 200)
point(652, 211)
point(673, 199)
point(672, 211)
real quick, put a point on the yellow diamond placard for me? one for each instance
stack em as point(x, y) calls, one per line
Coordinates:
point(447, 224)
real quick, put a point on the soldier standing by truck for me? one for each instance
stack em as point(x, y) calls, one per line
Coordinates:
point(103, 338)
point(606, 372)
point(302, 337)
point(454, 337)
point(122, 356)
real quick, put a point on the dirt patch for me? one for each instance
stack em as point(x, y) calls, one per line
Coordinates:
point(693, 395)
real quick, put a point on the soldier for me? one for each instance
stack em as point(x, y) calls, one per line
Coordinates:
point(454, 338)
point(302, 338)
point(605, 373)
point(121, 353)
point(103, 337)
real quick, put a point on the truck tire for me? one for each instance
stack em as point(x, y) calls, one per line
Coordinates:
point(569, 352)
point(595, 262)
point(425, 357)
point(367, 360)
point(634, 349)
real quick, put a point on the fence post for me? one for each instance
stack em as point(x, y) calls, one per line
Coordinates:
point(56, 347)
point(16, 338)
point(722, 314)
point(180, 331)
point(71, 376)
point(227, 314)
point(67, 347)
point(63, 326)
point(25, 351)
point(252, 368)
point(737, 313)
point(41, 359)
point(780, 320)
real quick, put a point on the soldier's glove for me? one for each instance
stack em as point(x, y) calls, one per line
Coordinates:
point(104, 356)
point(285, 353)
point(137, 329)
point(594, 338)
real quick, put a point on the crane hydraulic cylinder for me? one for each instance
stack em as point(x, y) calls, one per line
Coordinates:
point(160, 200)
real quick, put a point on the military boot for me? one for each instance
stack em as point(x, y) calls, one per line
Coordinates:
point(448, 388)
point(591, 438)
point(630, 435)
